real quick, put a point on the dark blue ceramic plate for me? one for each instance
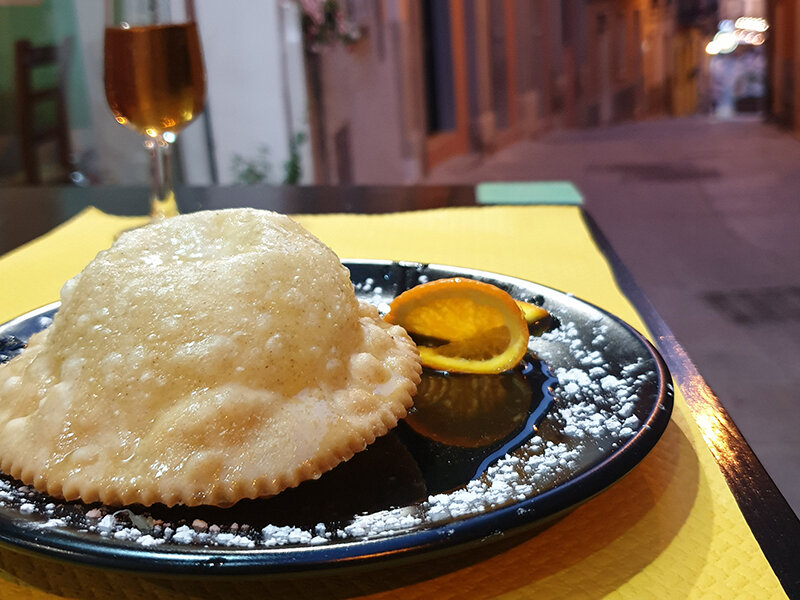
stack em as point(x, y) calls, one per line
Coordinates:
point(479, 456)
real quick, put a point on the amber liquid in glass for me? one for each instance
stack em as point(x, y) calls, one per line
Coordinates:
point(154, 77)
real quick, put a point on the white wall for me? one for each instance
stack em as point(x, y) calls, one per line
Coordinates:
point(248, 90)
point(295, 83)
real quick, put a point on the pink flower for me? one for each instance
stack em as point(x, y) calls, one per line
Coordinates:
point(325, 23)
point(314, 9)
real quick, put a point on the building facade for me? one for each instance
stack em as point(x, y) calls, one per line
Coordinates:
point(430, 80)
point(783, 60)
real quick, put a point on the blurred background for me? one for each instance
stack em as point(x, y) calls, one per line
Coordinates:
point(383, 91)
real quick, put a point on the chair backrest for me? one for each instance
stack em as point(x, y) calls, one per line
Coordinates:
point(28, 57)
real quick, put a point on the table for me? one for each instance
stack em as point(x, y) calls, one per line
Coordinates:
point(26, 213)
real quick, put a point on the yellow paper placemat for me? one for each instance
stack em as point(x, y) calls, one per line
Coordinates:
point(670, 529)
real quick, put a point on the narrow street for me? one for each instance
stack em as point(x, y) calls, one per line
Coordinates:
point(705, 214)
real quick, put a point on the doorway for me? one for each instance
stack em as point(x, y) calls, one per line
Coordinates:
point(444, 69)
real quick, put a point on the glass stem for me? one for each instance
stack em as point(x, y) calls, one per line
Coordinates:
point(162, 200)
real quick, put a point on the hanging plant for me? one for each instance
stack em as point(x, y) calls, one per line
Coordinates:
point(324, 23)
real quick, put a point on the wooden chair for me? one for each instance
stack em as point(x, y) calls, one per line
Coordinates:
point(27, 58)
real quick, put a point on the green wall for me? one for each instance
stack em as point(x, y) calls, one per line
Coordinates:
point(48, 22)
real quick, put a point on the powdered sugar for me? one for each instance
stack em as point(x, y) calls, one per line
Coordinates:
point(597, 388)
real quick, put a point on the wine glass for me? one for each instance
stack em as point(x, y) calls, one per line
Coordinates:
point(154, 80)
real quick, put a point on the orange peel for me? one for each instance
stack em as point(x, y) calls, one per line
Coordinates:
point(531, 312)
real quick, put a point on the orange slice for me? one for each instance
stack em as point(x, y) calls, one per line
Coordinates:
point(468, 410)
point(531, 312)
point(462, 325)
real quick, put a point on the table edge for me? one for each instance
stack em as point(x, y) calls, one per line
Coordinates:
point(773, 522)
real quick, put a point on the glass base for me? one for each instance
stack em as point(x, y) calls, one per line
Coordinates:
point(162, 208)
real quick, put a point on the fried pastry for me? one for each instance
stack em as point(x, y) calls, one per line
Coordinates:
point(204, 359)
